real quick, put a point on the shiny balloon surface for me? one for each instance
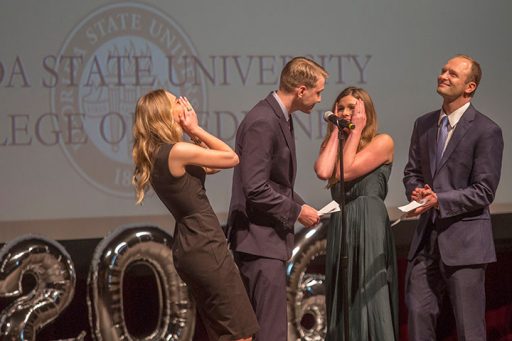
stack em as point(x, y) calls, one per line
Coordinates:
point(124, 247)
point(54, 276)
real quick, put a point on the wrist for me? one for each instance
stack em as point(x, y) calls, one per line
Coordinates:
point(196, 140)
point(358, 129)
point(195, 133)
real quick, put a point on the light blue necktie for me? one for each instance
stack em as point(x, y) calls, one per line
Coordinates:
point(441, 139)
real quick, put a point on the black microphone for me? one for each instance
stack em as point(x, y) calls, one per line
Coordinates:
point(338, 121)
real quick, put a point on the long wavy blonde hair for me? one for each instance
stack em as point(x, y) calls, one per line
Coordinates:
point(369, 131)
point(153, 126)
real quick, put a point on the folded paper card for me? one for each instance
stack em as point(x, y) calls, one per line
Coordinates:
point(408, 208)
point(411, 206)
point(331, 207)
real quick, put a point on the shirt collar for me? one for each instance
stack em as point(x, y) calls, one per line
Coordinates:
point(455, 116)
point(283, 108)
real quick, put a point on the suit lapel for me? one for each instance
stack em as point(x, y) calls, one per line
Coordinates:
point(432, 142)
point(285, 128)
point(458, 134)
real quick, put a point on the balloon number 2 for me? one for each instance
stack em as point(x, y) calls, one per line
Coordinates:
point(54, 273)
point(51, 266)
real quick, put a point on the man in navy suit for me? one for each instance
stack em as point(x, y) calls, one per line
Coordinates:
point(454, 166)
point(264, 206)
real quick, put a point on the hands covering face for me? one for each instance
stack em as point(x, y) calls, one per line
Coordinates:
point(353, 110)
point(359, 115)
point(187, 119)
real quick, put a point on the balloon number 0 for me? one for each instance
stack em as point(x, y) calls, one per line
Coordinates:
point(51, 266)
point(112, 257)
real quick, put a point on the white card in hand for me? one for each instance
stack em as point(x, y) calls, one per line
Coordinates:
point(411, 206)
point(331, 207)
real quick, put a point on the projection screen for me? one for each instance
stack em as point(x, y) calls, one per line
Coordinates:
point(71, 71)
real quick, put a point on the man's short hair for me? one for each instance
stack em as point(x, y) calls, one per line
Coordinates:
point(475, 75)
point(300, 71)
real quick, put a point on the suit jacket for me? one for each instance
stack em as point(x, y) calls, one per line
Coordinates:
point(465, 183)
point(264, 207)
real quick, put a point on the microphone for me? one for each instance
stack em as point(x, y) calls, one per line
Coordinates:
point(338, 121)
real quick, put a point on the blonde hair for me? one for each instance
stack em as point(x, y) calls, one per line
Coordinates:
point(369, 130)
point(153, 126)
point(300, 71)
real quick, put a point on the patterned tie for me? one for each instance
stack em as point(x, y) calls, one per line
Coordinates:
point(441, 139)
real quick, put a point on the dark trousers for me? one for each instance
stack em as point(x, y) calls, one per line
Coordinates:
point(265, 281)
point(428, 280)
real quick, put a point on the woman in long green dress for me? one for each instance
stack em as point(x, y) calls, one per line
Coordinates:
point(372, 271)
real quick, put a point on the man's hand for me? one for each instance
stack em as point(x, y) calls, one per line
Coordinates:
point(308, 216)
point(428, 196)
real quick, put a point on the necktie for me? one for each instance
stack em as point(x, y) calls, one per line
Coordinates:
point(441, 139)
point(290, 123)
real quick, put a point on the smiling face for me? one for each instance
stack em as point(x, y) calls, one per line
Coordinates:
point(346, 106)
point(346, 103)
point(454, 80)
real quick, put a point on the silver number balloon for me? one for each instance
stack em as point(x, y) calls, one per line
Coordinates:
point(126, 246)
point(54, 273)
point(306, 288)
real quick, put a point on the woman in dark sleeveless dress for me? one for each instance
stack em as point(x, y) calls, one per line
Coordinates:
point(371, 272)
point(176, 171)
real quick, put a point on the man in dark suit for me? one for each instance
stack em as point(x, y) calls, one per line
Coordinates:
point(264, 206)
point(454, 166)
